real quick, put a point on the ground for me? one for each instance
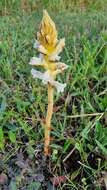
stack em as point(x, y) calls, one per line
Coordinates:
point(79, 147)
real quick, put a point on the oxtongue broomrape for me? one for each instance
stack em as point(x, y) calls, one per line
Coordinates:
point(49, 48)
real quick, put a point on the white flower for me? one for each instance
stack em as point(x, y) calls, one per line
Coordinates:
point(54, 57)
point(42, 49)
point(45, 77)
point(39, 75)
point(36, 61)
point(61, 66)
point(59, 86)
point(36, 44)
point(41, 56)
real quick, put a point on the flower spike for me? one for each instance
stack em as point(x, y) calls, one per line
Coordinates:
point(49, 48)
point(47, 34)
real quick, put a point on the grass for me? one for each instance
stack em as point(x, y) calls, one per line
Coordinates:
point(79, 148)
point(52, 5)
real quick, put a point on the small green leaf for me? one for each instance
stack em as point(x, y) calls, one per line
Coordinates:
point(75, 174)
point(12, 136)
point(1, 135)
point(12, 185)
point(30, 151)
point(1, 145)
point(66, 145)
point(101, 134)
point(22, 105)
point(85, 131)
point(78, 147)
point(98, 131)
point(103, 149)
point(34, 186)
point(3, 105)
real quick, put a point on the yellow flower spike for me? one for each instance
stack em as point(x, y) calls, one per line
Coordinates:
point(49, 48)
point(47, 36)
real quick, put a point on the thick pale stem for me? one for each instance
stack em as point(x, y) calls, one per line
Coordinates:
point(48, 119)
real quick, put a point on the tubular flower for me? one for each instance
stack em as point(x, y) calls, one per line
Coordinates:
point(49, 48)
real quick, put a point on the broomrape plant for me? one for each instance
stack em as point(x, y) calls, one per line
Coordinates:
point(49, 48)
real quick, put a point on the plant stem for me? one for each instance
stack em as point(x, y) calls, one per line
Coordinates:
point(48, 119)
